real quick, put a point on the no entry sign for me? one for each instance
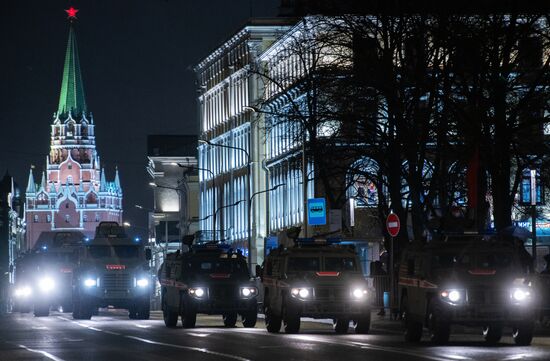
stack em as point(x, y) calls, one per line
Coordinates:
point(392, 224)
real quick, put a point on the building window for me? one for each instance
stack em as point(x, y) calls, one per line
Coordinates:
point(85, 217)
point(70, 166)
point(67, 218)
point(36, 218)
point(48, 218)
point(97, 217)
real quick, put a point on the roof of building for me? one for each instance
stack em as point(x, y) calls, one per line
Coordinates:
point(160, 145)
point(72, 97)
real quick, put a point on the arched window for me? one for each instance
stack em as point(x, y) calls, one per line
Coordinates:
point(67, 218)
point(362, 179)
point(35, 218)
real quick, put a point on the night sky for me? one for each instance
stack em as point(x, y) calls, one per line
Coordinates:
point(136, 58)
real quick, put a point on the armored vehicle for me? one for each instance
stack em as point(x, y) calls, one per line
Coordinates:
point(317, 279)
point(210, 279)
point(472, 281)
point(112, 270)
point(43, 276)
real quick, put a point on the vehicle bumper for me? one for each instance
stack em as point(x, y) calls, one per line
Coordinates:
point(122, 298)
point(213, 307)
point(330, 309)
point(488, 314)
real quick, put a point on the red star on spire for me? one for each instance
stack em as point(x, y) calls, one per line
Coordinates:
point(71, 12)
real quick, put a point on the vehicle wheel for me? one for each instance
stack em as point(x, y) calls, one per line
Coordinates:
point(291, 320)
point(144, 311)
point(189, 319)
point(132, 313)
point(250, 317)
point(67, 307)
point(492, 334)
point(362, 324)
point(41, 310)
point(95, 311)
point(440, 331)
point(272, 322)
point(341, 325)
point(412, 330)
point(523, 334)
point(230, 319)
point(81, 311)
point(170, 317)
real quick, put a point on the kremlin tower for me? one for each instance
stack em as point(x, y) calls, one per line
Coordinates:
point(73, 193)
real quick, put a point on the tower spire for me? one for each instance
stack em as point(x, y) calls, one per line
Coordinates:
point(117, 181)
point(31, 186)
point(72, 97)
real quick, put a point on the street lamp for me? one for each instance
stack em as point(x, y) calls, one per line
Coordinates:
point(249, 238)
point(249, 174)
point(213, 191)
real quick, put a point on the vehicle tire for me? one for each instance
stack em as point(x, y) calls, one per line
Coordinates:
point(291, 320)
point(132, 313)
point(272, 321)
point(440, 330)
point(230, 319)
point(41, 310)
point(250, 317)
point(412, 330)
point(144, 311)
point(67, 307)
point(95, 311)
point(492, 334)
point(189, 319)
point(341, 325)
point(170, 317)
point(362, 324)
point(523, 334)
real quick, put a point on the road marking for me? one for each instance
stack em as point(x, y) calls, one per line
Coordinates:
point(39, 328)
point(142, 326)
point(44, 353)
point(457, 357)
point(516, 357)
point(197, 349)
point(198, 334)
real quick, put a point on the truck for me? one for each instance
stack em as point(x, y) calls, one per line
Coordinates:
point(315, 278)
point(471, 280)
point(43, 275)
point(212, 279)
point(112, 270)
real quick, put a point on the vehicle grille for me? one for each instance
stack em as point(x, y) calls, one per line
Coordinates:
point(331, 293)
point(221, 292)
point(116, 281)
point(487, 297)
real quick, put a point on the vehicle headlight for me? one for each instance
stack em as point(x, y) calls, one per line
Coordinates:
point(452, 296)
point(249, 291)
point(520, 295)
point(90, 282)
point(197, 292)
point(359, 293)
point(142, 282)
point(301, 293)
point(23, 292)
point(46, 284)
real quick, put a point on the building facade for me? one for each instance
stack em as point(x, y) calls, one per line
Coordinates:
point(73, 192)
point(231, 146)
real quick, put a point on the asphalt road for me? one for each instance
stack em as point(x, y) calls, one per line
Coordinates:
point(112, 336)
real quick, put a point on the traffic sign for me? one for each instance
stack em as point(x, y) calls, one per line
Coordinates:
point(316, 212)
point(393, 225)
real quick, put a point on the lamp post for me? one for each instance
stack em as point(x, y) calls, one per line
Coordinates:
point(250, 268)
point(213, 192)
point(249, 175)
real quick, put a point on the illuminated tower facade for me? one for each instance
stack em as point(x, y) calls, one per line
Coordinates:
point(73, 193)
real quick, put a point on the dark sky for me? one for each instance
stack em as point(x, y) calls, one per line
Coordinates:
point(135, 57)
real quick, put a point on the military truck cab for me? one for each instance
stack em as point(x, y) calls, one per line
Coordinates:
point(471, 281)
point(113, 270)
point(209, 279)
point(317, 279)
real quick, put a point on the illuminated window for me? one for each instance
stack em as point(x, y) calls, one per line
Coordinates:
point(67, 218)
point(36, 218)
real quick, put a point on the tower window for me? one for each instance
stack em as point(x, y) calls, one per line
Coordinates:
point(70, 166)
point(67, 218)
point(48, 218)
point(85, 217)
point(97, 217)
point(36, 218)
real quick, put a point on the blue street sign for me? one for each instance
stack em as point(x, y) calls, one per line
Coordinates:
point(316, 212)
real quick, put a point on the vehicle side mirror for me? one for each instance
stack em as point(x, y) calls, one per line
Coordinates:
point(259, 271)
point(148, 254)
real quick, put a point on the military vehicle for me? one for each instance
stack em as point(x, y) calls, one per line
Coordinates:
point(22, 296)
point(318, 279)
point(112, 270)
point(43, 276)
point(210, 279)
point(467, 280)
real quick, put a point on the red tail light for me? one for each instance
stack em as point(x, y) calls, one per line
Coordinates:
point(220, 275)
point(115, 266)
point(328, 274)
